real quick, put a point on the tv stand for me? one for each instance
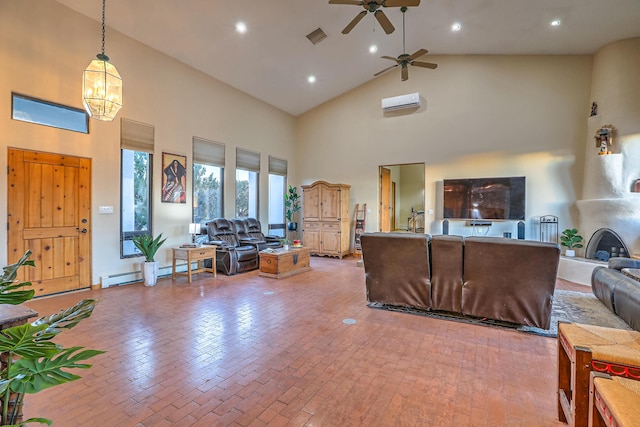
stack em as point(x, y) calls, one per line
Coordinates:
point(479, 223)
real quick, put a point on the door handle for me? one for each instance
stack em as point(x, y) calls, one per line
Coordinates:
point(83, 231)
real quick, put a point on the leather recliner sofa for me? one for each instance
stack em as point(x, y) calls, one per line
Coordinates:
point(618, 292)
point(231, 255)
point(502, 279)
point(249, 232)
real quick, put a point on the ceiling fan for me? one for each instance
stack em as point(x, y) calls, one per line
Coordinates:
point(405, 59)
point(373, 6)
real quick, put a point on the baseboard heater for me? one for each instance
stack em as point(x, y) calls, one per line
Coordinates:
point(136, 276)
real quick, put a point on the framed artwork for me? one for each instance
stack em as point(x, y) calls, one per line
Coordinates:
point(174, 178)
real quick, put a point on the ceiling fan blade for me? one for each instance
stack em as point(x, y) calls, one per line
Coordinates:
point(418, 54)
point(385, 70)
point(354, 2)
point(405, 73)
point(354, 22)
point(400, 3)
point(389, 57)
point(386, 25)
point(425, 65)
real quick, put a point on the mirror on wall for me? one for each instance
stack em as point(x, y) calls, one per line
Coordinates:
point(401, 190)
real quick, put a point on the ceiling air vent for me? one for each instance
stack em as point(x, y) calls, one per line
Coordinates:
point(316, 36)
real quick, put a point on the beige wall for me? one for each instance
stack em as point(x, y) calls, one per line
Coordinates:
point(485, 116)
point(44, 47)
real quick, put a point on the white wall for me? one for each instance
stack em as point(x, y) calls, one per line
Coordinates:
point(44, 47)
point(485, 116)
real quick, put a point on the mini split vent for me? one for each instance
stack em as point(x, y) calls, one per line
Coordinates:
point(316, 36)
point(401, 102)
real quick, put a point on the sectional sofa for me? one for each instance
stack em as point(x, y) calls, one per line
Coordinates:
point(507, 280)
point(619, 292)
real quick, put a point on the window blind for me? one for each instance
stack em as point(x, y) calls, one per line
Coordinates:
point(247, 160)
point(277, 166)
point(208, 152)
point(136, 136)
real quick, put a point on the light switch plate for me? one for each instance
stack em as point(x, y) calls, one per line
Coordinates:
point(105, 209)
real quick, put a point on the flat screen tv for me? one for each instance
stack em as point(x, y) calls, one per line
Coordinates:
point(485, 198)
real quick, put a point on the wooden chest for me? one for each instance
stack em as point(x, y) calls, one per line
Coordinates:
point(284, 263)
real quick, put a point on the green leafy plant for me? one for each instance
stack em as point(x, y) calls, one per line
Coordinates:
point(291, 203)
point(571, 239)
point(148, 245)
point(31, 361)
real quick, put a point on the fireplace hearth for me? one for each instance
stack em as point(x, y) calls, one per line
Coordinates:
point(604, 244)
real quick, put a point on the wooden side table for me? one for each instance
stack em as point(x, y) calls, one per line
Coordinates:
point(198, 255)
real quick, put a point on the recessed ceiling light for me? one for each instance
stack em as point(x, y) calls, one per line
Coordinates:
point(241, 27)
point(373, 48)
point(456, 26)
point(555, 23)
point(311, 79)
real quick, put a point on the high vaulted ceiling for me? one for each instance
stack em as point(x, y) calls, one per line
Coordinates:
point(274, 58)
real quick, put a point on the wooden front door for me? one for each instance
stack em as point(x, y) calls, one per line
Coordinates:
point(385, 200)
point(49, 213)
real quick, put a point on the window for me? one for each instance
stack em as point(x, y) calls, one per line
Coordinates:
point(208, 173)
point(277, 190)
point(247, 180)
point(136, 143)
point(31, 110)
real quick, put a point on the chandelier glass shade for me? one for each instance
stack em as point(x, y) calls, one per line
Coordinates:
point(102, 89)
point(102, 85)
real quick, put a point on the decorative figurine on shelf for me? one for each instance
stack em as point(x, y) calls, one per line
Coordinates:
point(594, 109)
point(604, 139)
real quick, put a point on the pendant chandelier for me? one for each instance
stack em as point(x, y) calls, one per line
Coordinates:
point(102, 86)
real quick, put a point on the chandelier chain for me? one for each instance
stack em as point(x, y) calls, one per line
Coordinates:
point(103, 7)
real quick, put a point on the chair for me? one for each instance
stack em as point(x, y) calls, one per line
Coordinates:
point(253, 229)
point(231, 256)
point(613, 401)
point(583, 349)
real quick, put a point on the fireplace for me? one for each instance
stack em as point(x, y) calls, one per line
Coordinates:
point(604, 244)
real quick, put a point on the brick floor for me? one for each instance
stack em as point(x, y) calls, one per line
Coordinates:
point(228, 352)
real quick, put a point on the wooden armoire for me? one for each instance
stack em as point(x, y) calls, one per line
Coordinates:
point(325, 218)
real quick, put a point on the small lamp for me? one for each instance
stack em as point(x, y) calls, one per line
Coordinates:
point(194, 230)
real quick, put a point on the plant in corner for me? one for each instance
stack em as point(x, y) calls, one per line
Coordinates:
point(148, 246)
point(292, 206)
point(571, 240)
point(31, 361)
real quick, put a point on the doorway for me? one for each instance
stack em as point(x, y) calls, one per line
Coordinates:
point(401, 197)
point(49, 213)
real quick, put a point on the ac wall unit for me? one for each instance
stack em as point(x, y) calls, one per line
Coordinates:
point(402, 102)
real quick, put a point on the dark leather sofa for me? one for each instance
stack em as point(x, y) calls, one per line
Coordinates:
point(502, 279)
point(231, 255)
point(620, 293)
point(249, 232)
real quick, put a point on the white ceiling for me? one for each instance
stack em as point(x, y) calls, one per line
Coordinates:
point(274, 58)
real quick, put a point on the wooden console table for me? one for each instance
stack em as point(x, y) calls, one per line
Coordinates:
point(197, 255)
point(283, 263)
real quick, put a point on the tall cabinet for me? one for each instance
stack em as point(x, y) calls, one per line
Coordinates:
point(325, 218)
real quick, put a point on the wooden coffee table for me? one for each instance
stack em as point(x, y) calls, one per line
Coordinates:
point(634, 273)
point(283, 263)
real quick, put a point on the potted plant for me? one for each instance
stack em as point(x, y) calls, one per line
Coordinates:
point(292, 205)
point(285, 243)
point(31, 361)
point(148, 246)
point(571, 240)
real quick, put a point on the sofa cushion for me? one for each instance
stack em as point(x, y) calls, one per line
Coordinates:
point(618, 263)
point(603, 283)
point(626, 298)
point(510, 280)
point(446, 273)
point(396, 268)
